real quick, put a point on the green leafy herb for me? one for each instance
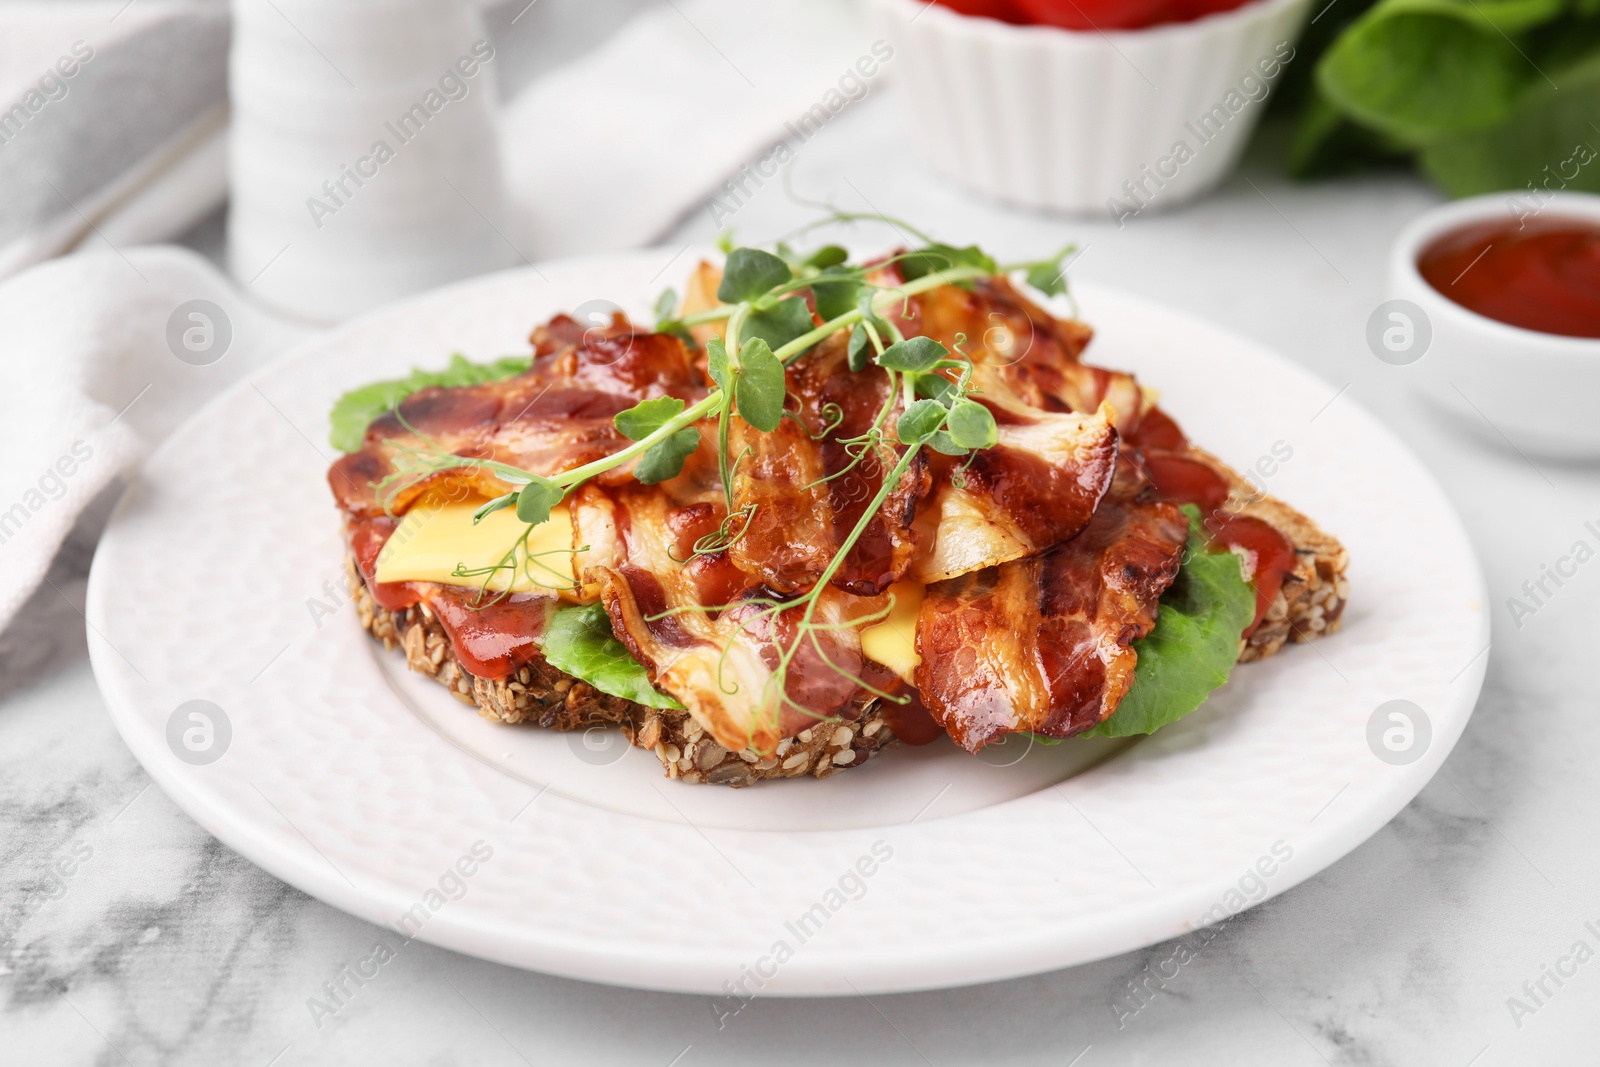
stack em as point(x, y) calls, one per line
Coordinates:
point(717, 363)
point(1419, 69)
point(535, 500)
point(935, 387)
point(355, 410)
point(580, 641)
point(920, 421)
point(1483, 94)
point(761, 387)
point(1195, 642)
point(665, 458)
point(779, 324)
point(827, 256)
point(837, 292)
point(497, 504)
point(942, 257)
point(859, 350)
point(1550, 126)
point(1049, 276)
point(749, 273)
point(647, 416)
point(915, 354)
point(666, 306)
point(972, 425)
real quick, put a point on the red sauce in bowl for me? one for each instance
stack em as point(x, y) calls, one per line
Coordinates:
point(1541, 275)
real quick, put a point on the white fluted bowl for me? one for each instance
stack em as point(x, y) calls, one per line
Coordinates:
point(1087, 122)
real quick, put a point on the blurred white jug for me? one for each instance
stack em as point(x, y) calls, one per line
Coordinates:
point(364, 160)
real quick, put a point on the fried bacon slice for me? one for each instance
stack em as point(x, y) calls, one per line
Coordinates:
point(837, 406)
point(1043, 644)
point(552, 418)
point(705, 630)
point(1034, 353)
point(786, 530)
point(810, 487)
point(1024, 353)
point(1037, 487)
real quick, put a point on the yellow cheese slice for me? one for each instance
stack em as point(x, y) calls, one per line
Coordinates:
point(893, 642)
point(441, 543)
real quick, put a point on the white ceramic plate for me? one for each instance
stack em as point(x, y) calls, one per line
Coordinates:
point(335, 769)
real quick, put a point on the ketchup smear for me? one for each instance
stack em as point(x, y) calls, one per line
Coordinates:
point(1541, 275)
point(1183, 479)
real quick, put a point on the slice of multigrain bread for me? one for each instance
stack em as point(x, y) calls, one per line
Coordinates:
point(1309, 605)
point(542, 694)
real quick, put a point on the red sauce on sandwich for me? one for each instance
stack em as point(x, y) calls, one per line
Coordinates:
point(491, 640)
point(1185, 479)
point(1273, 553)
point(911, 722)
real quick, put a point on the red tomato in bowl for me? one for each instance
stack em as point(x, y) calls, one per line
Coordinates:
point(1004, 10)
point(1098, 14)
point(1119, 14)
point(1194, 9)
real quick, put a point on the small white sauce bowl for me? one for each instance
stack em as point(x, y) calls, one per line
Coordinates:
point(1537, 392)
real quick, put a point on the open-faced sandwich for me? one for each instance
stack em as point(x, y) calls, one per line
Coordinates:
point(818, 509)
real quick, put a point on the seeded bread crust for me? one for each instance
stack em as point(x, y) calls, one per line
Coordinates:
point(1309, 605)
point(541, 694)
point(1312, 599)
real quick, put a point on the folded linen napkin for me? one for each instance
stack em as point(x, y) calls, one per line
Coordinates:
point(105, 353)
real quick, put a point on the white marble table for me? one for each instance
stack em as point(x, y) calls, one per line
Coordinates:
point(162, 946)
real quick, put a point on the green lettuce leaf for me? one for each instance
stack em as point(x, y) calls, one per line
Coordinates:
point(355, 410)
point(1550, 137)
point(1416, 70)
point(579, 640)
point(1195, 642)
point(1465, 89)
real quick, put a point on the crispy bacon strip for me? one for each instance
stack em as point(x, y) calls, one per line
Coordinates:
point(788, 537)
point(837, 405)
point(1032, 351)
point(552, 418)
point(1037, 487)
point(720, 664)
point(1042, 644)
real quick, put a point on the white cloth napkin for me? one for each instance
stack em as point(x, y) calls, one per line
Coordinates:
point(92, 381)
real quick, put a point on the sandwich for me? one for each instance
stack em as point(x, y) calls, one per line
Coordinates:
point(815, 511)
